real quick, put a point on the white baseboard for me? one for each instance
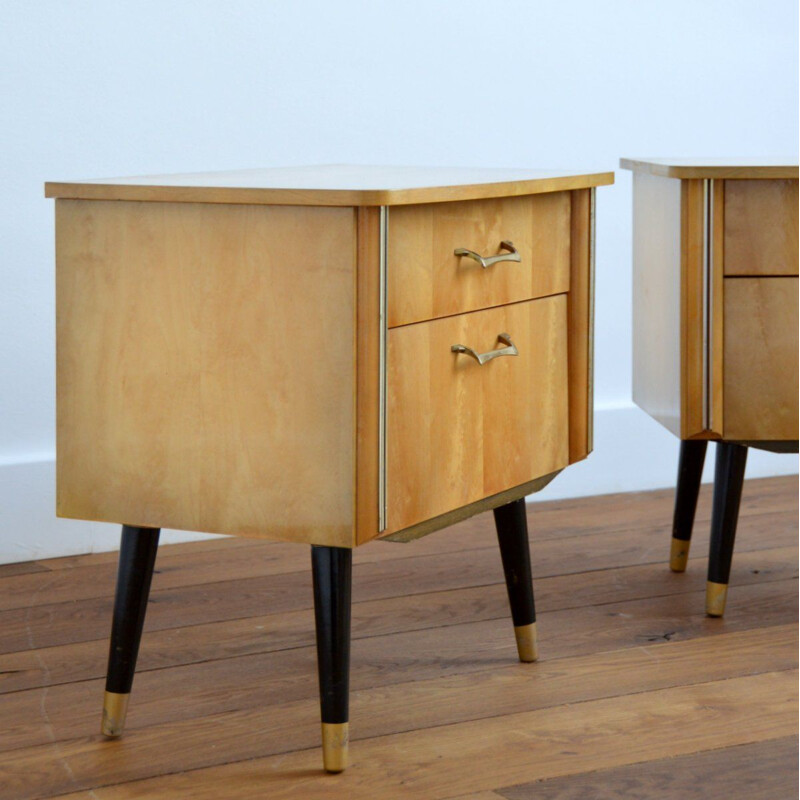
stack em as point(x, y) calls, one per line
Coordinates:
point(634, 453)
point(631, 453)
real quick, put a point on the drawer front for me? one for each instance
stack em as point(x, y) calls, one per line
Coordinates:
point(426, 280)
point(760, 227)
point(459, 431)
point(760, 362)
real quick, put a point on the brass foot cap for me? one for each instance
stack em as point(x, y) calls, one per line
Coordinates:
point(716, 595)
point(679, 555)
point(527, 643)
point(335, 738)
point(115, 707)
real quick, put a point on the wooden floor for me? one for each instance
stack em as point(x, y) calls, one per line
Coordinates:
point(636, 695)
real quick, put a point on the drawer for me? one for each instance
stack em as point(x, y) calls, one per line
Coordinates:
point(760, 227)
point(760, 359)
point(426, 280)
point(459, 431)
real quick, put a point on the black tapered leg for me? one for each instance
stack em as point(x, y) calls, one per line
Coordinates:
point(332, 569)
point(728, 479)
point(690, 471)
point(512, 535)
point(137, 557)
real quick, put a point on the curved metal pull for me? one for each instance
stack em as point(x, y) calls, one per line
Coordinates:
point(482, 358)
point(487, 261)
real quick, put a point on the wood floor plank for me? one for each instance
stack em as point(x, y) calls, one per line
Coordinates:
point(91, 576)
point(478, 796)
point(480, 755)
point(266, 680)
point(20, 568)
point(89, 761)
point(766, 770)
point(270, 632)
point(47, 625)
point(633, 677)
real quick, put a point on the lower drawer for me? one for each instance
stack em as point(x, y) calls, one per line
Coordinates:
point(760, 363)
point(458, 430)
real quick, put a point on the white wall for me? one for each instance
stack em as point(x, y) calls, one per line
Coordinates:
point(93, 89)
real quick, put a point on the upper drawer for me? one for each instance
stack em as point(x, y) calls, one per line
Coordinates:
point(427, 280)
point(760, 227)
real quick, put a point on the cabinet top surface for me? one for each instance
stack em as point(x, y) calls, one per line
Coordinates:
point(331, 185)
point(714, 167)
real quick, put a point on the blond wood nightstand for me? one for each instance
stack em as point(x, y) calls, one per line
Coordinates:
point(715, 338)
point(324, 355)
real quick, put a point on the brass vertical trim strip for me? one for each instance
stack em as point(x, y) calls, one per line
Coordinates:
point(592, 236)
point(384, 239)
point(708, 243)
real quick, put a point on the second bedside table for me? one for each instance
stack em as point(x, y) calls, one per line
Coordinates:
point(715, 316)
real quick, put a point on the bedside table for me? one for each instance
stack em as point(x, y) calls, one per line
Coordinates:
point(715, 320)
point(321, 355)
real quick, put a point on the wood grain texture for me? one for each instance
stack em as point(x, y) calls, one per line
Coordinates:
point(236, 561)
point(513, 748)
point(395, 707)
point(368, 375)
point(477, 639)
point(693, 322)
point(700, 168)
point(457, 430)
point(580, 336)
point(198, 368)
point(761, 227)
point(331, 185)
point(426, 279)
point(657, 298)
point(716, 311)
point(765, 769)
point(761, 358)
point(58, 625)
point(632, 671)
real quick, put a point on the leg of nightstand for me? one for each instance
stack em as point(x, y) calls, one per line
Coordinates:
point(137, 557)
point(728, 479)
point(332, 572)
point(512, 535)
point(690, 470)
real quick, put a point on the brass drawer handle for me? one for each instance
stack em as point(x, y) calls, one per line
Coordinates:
point(482, 358)
point(486, 261)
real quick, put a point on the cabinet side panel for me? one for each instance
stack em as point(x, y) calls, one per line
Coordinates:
point(657, 298)
point(206, 367)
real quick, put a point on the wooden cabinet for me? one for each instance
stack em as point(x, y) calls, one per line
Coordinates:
point(267, 353)
point(715, 327)
point(324, 355)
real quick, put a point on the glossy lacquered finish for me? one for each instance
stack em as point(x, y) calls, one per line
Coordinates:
point(332, 569)
point(512, 535)
point(137, 557)
point(690, 472)
point(728, 480)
